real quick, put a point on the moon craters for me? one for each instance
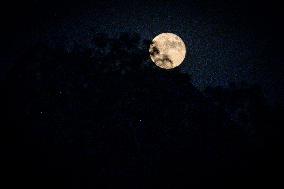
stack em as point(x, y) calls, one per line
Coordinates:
point(167, 50)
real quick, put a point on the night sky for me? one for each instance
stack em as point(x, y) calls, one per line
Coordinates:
point(228, 41)
point(81, 95)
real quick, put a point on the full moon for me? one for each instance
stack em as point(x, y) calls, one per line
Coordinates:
point(167, 50)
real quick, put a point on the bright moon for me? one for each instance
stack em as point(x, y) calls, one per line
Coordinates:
point(167, 50)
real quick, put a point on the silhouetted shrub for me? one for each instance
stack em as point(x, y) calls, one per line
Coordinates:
point(109, 111)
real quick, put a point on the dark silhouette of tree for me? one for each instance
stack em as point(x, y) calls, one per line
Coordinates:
point(107, 110)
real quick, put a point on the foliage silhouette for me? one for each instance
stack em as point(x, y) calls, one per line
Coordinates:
point(106, 110)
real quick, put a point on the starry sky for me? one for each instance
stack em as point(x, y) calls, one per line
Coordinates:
point(227, 41)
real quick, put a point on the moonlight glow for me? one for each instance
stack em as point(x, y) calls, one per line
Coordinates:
point(167, 50)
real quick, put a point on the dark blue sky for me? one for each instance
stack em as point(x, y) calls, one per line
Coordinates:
point(227, 41)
